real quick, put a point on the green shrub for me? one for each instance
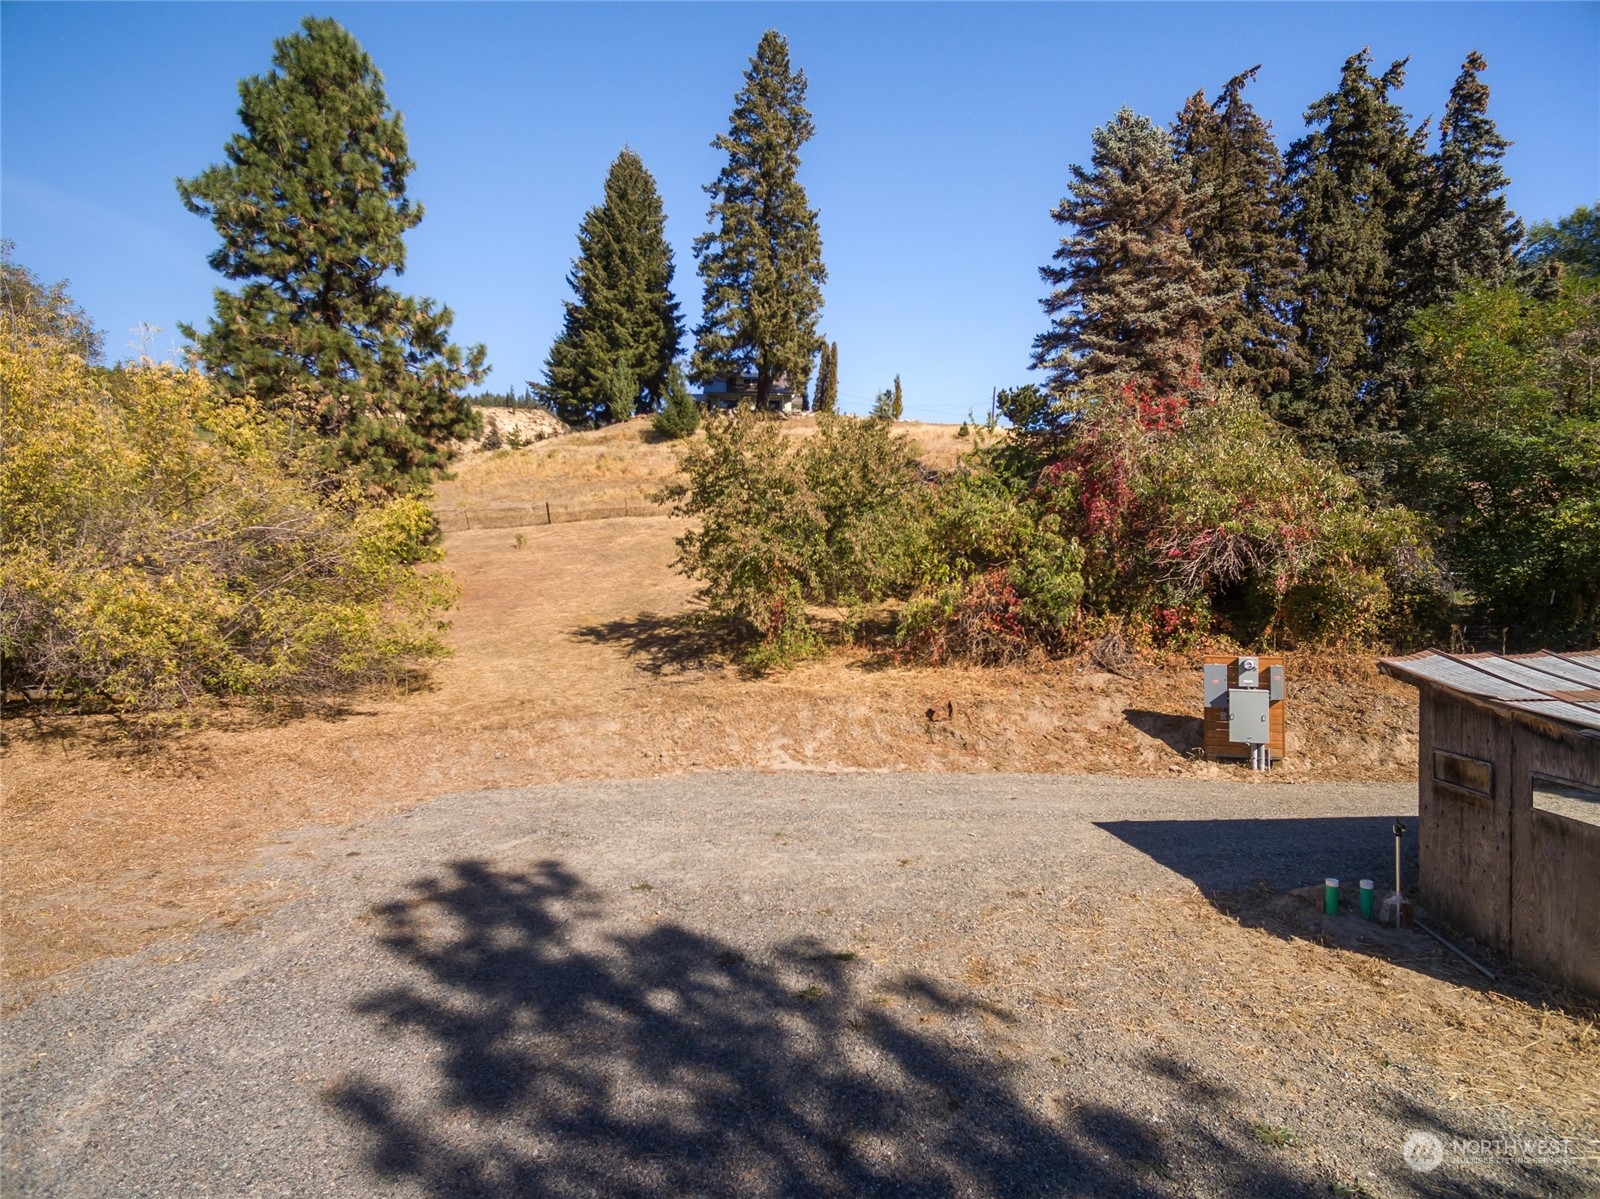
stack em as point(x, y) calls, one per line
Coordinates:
point(831, 519)
point(164, 543)
point(999, 575)
point(1505, 455)
point(680, 415)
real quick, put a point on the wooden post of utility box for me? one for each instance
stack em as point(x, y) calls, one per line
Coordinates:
point(1215, 734)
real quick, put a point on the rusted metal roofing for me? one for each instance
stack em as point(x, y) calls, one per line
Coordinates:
point(1560, 687)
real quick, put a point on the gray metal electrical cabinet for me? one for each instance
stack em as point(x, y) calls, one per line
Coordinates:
point(1248, 715)
point(1245, 709)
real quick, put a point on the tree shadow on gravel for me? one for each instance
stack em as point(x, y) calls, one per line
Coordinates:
point(536, 1053)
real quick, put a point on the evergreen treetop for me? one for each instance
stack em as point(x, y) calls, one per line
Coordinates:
point(1355, 200)
point(1236, 200)
point(827, 396)
point(312, 208)
point(1130, 300)
point(1470, 232)
point(623, 320)
point(761, 260)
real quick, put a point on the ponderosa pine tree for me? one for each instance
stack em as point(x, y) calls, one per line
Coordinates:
point(1470, 234)
point(312, 208)
point(623, 321)
point(827, 394)
point(762, 258)
point(1355, 184)
point(1131, 301)
point(1236, 186)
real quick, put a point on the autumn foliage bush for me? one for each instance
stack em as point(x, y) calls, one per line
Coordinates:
point(1171, 523)
point(1219, 522)
point(163, 543)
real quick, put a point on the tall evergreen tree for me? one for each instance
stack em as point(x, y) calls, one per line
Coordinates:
point(1470, 234)
point(827, 397)
point(1355, 183)
point(1131, 301)
point(1236, 186)
point(762, 258)
point(624, 322)
point(312, 207)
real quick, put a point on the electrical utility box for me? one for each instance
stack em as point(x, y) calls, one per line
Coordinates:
point(1245, 708)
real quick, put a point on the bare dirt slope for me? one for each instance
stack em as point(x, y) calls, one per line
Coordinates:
point(569, 662)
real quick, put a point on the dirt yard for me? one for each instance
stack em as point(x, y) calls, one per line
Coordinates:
point(570, 662)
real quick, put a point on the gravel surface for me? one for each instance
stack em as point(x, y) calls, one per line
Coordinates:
point(740, 984)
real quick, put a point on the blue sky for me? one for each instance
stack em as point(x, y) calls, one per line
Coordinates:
point(944, 133)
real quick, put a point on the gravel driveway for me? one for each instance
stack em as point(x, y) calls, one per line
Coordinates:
point(731, 984)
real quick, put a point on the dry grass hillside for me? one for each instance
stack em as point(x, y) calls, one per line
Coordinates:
point(570, 660)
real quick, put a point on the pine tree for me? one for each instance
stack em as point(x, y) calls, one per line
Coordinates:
point(827, 397)
point(762, 259)
point(624, 317)
point(1236, 187)
point(1355, 188)
point(1130, 301)
point(1471, 234)
point(312, 207)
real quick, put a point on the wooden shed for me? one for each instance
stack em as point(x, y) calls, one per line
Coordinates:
point(1509, 803)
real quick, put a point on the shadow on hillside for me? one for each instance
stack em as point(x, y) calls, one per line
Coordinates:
point(1181, 734)
point(536, 1054)
point(663, 645)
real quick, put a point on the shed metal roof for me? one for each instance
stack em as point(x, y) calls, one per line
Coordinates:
point(1564, 688)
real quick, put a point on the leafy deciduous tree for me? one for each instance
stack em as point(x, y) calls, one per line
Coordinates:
point(1573, 242)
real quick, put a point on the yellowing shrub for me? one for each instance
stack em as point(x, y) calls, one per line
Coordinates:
point(163, 543)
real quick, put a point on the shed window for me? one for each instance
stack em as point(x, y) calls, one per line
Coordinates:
point(1567, 799)
point(1466, 778)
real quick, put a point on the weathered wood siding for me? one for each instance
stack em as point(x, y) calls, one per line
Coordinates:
point(1464, 838)
point(1524, 880)
point(1555, 862)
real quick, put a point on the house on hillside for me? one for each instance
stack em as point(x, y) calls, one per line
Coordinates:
point(727, 392)
point(1509, 802)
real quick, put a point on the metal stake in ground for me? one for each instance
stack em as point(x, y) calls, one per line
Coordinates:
point(1396, 910)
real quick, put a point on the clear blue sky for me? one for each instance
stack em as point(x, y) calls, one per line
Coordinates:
point(943, 138)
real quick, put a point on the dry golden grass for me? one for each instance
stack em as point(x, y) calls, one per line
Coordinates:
point(622, 463)
point(569, 662)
